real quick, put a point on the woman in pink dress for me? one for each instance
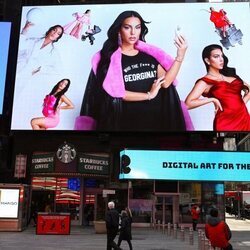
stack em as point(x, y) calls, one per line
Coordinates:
point(75, 28)
point(53, 103)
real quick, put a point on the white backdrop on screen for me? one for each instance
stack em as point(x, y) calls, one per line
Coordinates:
point(74, 55)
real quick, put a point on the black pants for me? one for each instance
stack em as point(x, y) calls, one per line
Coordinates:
point(194, 224)
point(129, 243)
point(111, 234)
point(33, 217)
point(229, 247)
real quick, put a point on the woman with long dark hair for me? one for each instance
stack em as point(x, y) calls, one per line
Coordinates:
point(132, 83)
point(224, 88)
point(39, 55)
point(125, 230)
point(53, 103)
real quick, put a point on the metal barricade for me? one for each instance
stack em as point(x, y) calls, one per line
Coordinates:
point(175, 231)
point(182, 233)
point(202, 241)
point(191, 236)
point(169, 229)
point(158, 225)
point(206, 243)
point(199, 238)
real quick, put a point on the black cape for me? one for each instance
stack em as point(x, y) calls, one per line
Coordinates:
point(107, 110)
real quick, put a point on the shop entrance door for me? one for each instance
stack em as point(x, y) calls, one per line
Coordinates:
point(89, 209)
point(166, 209)
point(93, 206)
point(42, 199)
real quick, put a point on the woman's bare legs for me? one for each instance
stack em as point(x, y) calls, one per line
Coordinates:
point(38, 123)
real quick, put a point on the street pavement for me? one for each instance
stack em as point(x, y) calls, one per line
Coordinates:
point(84, 238)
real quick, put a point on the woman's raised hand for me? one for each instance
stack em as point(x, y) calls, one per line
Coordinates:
point(181, 45)
point(26, 27)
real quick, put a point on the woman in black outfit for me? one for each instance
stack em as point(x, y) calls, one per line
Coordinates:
point(125, 230)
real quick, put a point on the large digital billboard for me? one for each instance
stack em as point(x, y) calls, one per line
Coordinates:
point(5, 28)
point(184, 165)
point(145, 77)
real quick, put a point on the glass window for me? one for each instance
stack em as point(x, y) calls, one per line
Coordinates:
point(43, 183)
point(212, 196)
point(140, 200)
point(190, 193)
point(204, 194)
point(64, 198)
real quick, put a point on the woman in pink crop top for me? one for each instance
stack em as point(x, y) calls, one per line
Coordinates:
point(53, 103)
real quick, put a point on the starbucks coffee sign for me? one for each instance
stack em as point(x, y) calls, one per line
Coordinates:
point(93, 164)
point(42, 163)
point(66, 153)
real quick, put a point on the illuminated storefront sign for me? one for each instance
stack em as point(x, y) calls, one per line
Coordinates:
point(42, 163)
point(53, 223)
point(9, 200)
point(66, 153)
point(93, 164)
point(185, 165)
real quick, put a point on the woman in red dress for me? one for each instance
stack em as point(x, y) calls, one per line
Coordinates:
point(225, 89)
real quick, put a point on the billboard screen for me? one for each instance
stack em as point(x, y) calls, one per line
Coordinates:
point(5, 28)
point(9, 201)
point(185, 165)
point(148, 67)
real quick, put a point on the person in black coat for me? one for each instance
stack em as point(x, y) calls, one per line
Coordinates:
point(112, 226)
point(125, 230)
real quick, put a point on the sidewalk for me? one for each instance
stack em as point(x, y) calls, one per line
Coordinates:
point(143, 239)
point(240, 232)
point(85, 238)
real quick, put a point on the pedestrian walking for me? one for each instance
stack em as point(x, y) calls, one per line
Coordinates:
point(127, 209)
point(33, 213)
point(112, 226)
point(125, 229)
point(195, 213)
point(217, 231)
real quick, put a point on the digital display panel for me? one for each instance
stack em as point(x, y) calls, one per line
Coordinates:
point(5, 28)
point(125, 98)
point(219, 188)
point(9, 201)
point(74, 184)
point(185, 165)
